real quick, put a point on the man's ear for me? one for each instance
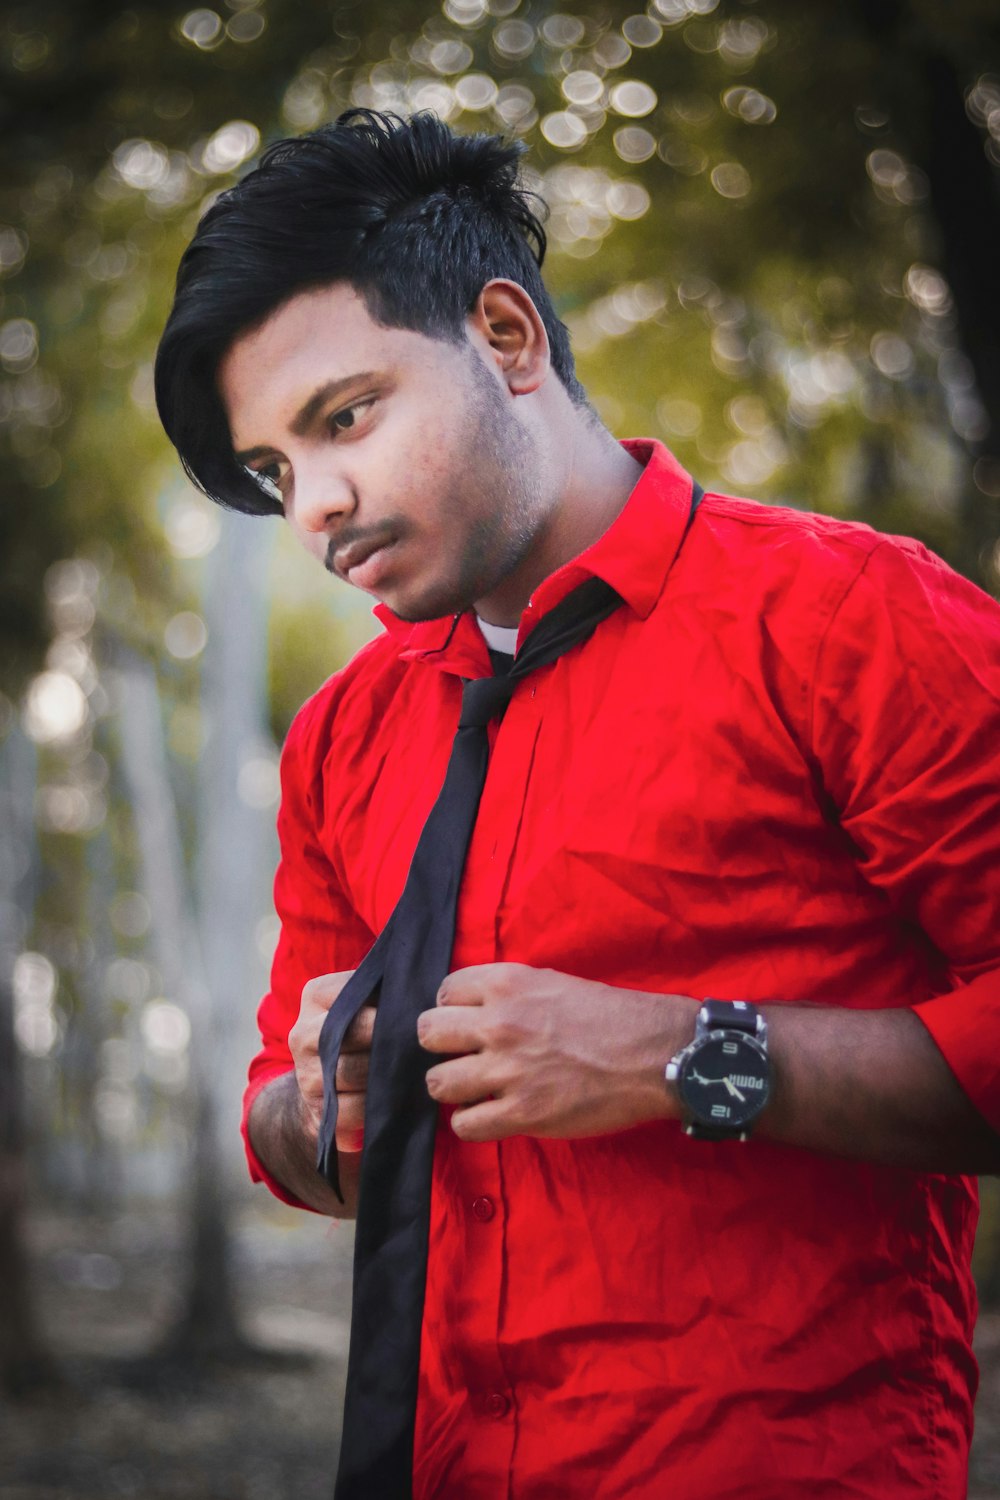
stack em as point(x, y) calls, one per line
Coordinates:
point(507, 321)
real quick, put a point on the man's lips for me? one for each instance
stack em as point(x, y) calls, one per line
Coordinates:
point(360, 561)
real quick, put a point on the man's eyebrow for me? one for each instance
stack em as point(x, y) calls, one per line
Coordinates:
point(304, 418)
point(306, 414)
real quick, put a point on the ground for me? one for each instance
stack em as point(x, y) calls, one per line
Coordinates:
point(124, 1427)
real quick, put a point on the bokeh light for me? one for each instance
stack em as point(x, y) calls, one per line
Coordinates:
point(203, 28)
point(36, 1025)
point(192, 526)
point(55, 708)
point(18, 345)
point(185, 635)
point(230, 146)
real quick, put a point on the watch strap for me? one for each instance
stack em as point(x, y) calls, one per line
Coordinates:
point(715, 1017)
point(731, 1015)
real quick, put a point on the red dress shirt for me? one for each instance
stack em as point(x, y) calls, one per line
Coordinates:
point(770, 776)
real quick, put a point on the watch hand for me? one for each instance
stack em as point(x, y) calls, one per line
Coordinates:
point(730, 1085)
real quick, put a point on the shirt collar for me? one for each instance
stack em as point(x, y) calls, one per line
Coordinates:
point(634, 556)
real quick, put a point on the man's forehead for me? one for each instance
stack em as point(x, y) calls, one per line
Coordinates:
point(318, 310)
point(331, 324)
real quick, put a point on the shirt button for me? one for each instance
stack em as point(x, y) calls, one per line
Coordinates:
point(497, 1405)
point(484, 1209)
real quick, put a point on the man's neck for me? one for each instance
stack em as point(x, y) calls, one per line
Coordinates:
point(598, 477)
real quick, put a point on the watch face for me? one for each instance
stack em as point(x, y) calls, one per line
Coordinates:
point(726, 1080)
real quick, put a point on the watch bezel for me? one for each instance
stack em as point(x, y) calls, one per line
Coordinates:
point(739, 1024)
point(694, 1110)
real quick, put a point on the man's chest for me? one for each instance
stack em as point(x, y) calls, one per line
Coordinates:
point(639, 809)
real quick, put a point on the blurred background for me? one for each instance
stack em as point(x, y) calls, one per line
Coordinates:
point(774, 236)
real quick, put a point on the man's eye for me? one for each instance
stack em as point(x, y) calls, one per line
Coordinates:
point(270, 476)
point(343, 421)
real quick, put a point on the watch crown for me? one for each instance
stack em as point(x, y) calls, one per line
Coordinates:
point(672, 1071)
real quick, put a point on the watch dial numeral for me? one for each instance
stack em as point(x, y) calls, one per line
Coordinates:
point(730, 1047)
point(720, 1111)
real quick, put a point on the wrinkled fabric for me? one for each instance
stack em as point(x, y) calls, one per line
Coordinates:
point(771, 776)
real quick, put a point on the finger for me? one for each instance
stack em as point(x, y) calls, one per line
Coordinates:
point(488, 1120)
point(321, 992)
point(456, 1029)
point(310, 1082)
point(352, 1073)
point(461, 1080)
point(471, 985)
point(358, 1036)
point(350, 1122)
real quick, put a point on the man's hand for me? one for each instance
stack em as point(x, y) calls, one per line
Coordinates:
point(352, 1066)
point(286, 1115)
point(534, 1052)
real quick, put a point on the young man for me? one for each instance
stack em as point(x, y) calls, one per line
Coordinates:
point(762, 769)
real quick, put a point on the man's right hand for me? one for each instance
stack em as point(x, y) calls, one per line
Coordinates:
point(352, 1065)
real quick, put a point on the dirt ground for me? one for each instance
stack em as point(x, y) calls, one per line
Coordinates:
point(128, 1429)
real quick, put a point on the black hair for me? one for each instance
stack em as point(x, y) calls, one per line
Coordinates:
point(415, 217)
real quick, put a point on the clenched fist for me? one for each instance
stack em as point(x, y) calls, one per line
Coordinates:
point(534, 1052)
point(352, 1065)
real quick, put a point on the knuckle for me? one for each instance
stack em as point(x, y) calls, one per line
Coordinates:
point(311, 991)
point(502, 1033)
point(321, 991)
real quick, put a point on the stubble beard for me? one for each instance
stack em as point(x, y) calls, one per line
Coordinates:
point(501, 481)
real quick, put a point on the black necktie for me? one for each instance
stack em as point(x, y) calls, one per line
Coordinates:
point(403, 971)
point(405, 967)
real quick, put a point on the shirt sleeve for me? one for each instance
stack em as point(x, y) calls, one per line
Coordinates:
point(906, 729)
point(320, 932)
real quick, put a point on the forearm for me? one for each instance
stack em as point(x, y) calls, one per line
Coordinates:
point(283, 1139)
point(535, 1052)
point(871, 1084)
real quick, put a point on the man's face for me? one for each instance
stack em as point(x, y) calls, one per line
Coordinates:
point(401, 462)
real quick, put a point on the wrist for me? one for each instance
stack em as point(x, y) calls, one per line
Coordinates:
point(671, 1026)
point(722, 1078)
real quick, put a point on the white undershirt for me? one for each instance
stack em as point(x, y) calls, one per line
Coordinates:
point(499, 637)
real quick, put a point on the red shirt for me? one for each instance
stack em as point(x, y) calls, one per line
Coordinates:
point(770, 776)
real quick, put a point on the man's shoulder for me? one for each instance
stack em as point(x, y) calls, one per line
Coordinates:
point(756, 524)
point(801, 551)
point(357, 689)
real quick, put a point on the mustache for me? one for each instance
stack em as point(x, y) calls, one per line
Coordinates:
point(393, 529)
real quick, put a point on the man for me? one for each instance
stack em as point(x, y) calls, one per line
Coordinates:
point(768, 776)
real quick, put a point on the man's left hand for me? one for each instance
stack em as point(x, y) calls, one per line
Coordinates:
point(534, 1052)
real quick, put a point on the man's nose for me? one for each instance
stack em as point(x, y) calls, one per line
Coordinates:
point(321, 497)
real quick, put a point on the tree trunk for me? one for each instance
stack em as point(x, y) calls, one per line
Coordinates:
point(208, 1325)
point(925, 97)
point(236, 839)
point(24, 1362)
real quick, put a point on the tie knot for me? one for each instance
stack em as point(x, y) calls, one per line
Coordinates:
point(483, 699)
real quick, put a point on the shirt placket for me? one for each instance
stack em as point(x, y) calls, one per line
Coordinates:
point(476, 1171)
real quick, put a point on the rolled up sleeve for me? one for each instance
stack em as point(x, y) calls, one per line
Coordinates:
point(320, 932)
point(906, 730)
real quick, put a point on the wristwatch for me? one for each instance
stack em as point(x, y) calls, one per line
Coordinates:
point(724, 1075)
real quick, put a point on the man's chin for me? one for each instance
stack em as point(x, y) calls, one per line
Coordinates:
point(417, 610)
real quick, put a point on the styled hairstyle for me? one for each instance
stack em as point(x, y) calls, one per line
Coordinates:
point(416, 218)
